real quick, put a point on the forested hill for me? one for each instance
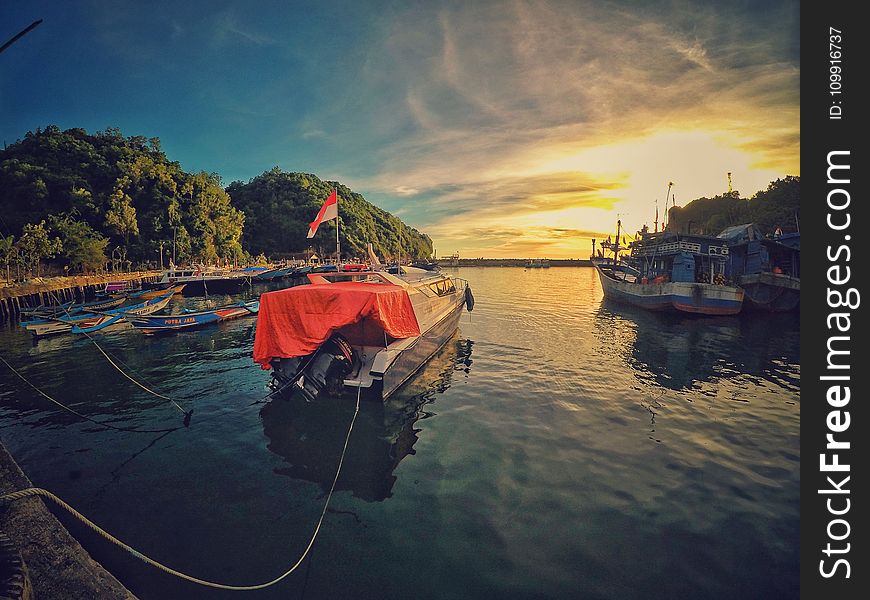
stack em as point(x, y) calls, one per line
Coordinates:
point(83, 200)
point(777, 206)
point(279, 206)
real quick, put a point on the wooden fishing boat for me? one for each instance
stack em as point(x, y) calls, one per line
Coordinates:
point(203, 280)
point(189, 320)
point(369, 331)
point(672, 272)
point(69, 308)
point(273, 274)
point(156, 292)
point(767, 268)
point(92, 320)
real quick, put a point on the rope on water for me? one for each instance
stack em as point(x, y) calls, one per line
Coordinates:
point(76, 413)
point(33, 491)
point(122, 372)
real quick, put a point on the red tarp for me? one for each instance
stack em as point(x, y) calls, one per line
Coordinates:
point(296, 321)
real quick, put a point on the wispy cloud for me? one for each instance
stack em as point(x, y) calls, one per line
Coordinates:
point(501, 90)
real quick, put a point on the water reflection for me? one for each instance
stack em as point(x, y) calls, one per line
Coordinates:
point(309, 436)
point(679, 351)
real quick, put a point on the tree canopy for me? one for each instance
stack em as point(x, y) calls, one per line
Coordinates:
point(100, 194)
point(776, 206)
point(279, 206)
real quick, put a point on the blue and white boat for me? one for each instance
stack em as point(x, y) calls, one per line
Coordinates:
point(670, 272)
point(191, 319)
point(766, 267)
point(92, 320)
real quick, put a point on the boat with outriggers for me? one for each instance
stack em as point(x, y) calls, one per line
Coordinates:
point(368, 332)
point(151, 324)
point(669, 271)
point(91, 320)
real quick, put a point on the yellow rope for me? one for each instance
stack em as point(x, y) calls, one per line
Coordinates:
point(34, 491)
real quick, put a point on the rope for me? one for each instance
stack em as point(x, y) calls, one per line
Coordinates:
point(121, 371)
point(76, 413)
point(33, 491)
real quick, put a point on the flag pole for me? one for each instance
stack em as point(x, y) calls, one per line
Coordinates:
point(337, 241)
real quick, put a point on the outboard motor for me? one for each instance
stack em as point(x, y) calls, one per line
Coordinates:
point(327, 368)
point(469, 299)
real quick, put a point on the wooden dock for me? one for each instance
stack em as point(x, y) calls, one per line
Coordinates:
point(56, 290)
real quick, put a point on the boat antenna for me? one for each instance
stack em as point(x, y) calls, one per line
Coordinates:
point(665, 224)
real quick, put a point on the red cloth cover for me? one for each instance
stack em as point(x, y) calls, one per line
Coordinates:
point(296, 321)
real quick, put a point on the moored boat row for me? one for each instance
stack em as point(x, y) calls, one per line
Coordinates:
point(701, 274)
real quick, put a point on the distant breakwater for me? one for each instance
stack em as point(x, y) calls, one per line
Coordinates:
point(55, 290)
point(512, 262)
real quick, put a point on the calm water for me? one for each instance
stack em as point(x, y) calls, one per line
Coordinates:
point(559, 447)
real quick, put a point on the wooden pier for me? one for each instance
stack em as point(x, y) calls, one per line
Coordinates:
point(56, 290)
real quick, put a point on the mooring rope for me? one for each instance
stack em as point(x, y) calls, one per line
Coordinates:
point(122, 372)
point(76, 413)
point(34, 491)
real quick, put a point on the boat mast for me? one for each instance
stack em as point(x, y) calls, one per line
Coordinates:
point(664, 224)
point(616, 247)
point(337, 241)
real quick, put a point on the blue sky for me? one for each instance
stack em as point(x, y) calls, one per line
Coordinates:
point(500, 128)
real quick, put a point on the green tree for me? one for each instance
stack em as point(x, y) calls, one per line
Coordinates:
point(35, 245)
point(7, 253)
point(84, 249)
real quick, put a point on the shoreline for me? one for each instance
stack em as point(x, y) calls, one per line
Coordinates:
point(58, 566)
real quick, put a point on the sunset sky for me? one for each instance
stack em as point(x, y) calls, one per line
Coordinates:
point(501, 129)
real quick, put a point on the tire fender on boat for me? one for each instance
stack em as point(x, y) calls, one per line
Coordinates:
point(469, 299)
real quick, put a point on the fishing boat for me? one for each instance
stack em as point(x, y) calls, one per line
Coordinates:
point(273, 274)
point(70, 308)
point(369, 332)
point(766, 267)
point(671, 272)
point(188, 320)
point(426, 265)
point(92, 320)
point(155, 292)
point(538, 263)
point(202, 280)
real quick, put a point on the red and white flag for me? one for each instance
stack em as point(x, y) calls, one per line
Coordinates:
point(328, 211)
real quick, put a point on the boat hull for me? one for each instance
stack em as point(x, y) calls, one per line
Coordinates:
point(177, 322)
point(373, 370)
point(772, 292)
point(413, 358)
point(89, 322)
point(695, 298)
point(204, 287)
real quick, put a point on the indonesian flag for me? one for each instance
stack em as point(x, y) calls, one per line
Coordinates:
point(328, 211)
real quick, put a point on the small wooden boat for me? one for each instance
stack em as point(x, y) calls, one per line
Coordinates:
point(44, 312)
point(273, 274)
point(157, 292)
point(188, 320)
point(93, 320)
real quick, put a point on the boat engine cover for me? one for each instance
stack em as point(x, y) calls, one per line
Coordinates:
point(328, 367)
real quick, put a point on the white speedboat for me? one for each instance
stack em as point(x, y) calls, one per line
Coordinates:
point(369, 331)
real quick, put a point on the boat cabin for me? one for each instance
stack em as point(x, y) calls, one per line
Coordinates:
point(752, 253)
point(666, 256)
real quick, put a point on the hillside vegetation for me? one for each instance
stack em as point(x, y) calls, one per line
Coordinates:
point(90, 201)
point(279, 206)
point(776, 206)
